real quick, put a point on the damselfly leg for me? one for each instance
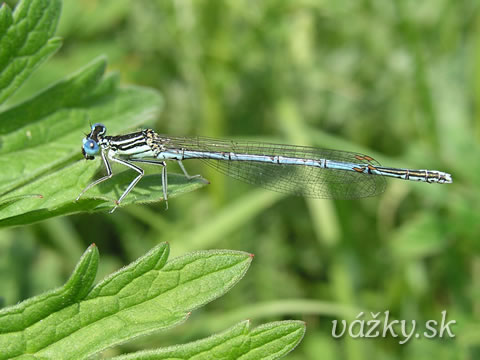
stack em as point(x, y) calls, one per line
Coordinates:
point(98, 181)
point(164, 177)
point(189, 177)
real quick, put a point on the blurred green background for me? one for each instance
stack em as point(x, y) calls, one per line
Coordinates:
point(398, 80)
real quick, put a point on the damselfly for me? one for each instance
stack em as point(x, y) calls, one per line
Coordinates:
point(299, 170)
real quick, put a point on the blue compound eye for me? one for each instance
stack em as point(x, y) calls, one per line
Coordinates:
point(90, 147)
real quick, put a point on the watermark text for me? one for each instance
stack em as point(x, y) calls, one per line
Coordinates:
point(383, 326)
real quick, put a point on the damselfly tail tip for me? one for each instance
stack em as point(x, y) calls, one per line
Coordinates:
point(441, 177)
point(447, 178)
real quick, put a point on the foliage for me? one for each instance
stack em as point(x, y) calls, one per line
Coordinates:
point(151, 294)
point(41, 133)
point(396, 80)
point(76, 321)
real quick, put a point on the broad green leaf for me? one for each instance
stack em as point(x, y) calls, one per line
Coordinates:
point(26, 40)
point(42, 136)
point(40, 133)
point(150, 294)
point(270, 341)
point(15, 320)
point(62, 187)
point(46, 131)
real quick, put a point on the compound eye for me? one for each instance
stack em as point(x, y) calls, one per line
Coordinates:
point(90, 147)
point(99, 129)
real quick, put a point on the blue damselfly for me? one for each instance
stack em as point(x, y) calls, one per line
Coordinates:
point(298, 170)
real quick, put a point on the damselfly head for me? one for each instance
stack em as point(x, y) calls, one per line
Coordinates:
point(90, 148)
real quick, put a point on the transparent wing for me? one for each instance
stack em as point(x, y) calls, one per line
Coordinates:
point(300, 180)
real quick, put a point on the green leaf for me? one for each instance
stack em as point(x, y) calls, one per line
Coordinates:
point(44, 146)
point(41, 136)
point(16, 320)
point(269, 341)
point(62, 187)
point(26, 40)
point(45, 131)
point(146, 296)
